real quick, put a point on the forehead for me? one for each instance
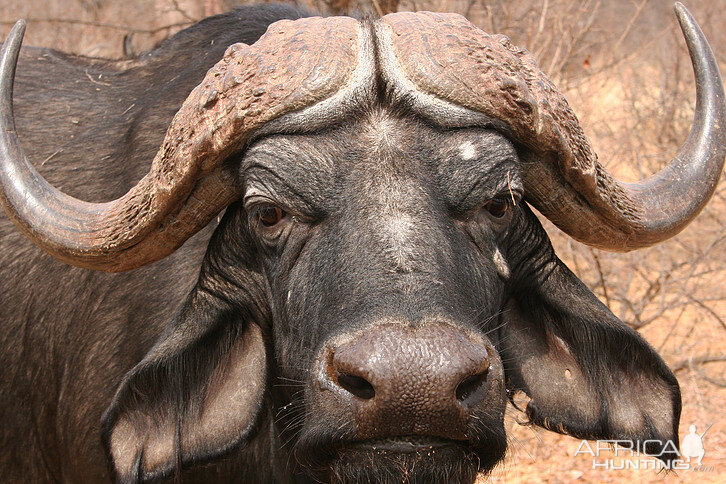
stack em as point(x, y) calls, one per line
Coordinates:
point(386, 142)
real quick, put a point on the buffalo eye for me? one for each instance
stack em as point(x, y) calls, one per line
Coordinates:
point(270, 215)
point(497, 207)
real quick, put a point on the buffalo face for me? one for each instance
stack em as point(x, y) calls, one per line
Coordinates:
point(409, 288)
point(378, 285)
point(386, 280)
point(401, 288)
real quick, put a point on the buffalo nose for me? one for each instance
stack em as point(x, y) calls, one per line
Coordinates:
point(400, 379)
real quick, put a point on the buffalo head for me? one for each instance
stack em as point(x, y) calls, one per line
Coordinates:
point(378, 285)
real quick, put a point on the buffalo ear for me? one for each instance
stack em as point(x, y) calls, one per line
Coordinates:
point(587, 373)
point(195, 396)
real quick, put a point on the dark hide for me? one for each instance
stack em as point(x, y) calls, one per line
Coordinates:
point(68, 335)
point(387, 218)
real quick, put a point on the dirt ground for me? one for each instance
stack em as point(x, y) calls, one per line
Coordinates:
point(624, 70)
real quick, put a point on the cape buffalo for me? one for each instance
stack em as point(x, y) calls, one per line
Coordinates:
point(377, 285)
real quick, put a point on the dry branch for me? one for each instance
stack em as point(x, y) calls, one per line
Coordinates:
point(91, 23)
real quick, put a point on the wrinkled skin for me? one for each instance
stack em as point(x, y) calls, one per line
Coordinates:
point(427, 252)
point(386, 219)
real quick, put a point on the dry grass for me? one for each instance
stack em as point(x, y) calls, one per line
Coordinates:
point(623, 66)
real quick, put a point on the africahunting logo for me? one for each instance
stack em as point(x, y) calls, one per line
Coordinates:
point(626, 454)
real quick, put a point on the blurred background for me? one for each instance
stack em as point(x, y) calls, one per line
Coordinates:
point(624, 68)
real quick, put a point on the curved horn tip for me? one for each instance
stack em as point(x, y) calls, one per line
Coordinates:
point(11, 46)
point(685, 17)
point(680, 9)
point(17, 30)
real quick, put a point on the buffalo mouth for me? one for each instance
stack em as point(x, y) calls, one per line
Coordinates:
point(401, 459)
point(403, 445)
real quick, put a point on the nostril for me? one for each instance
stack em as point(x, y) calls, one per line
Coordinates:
point(470, 385)
point(360, 387)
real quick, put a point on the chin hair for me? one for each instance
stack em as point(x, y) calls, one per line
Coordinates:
point(445, 466)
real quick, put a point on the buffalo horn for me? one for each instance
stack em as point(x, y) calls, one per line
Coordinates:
point(188, 183)
point(441, 60)
point(652, 210)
